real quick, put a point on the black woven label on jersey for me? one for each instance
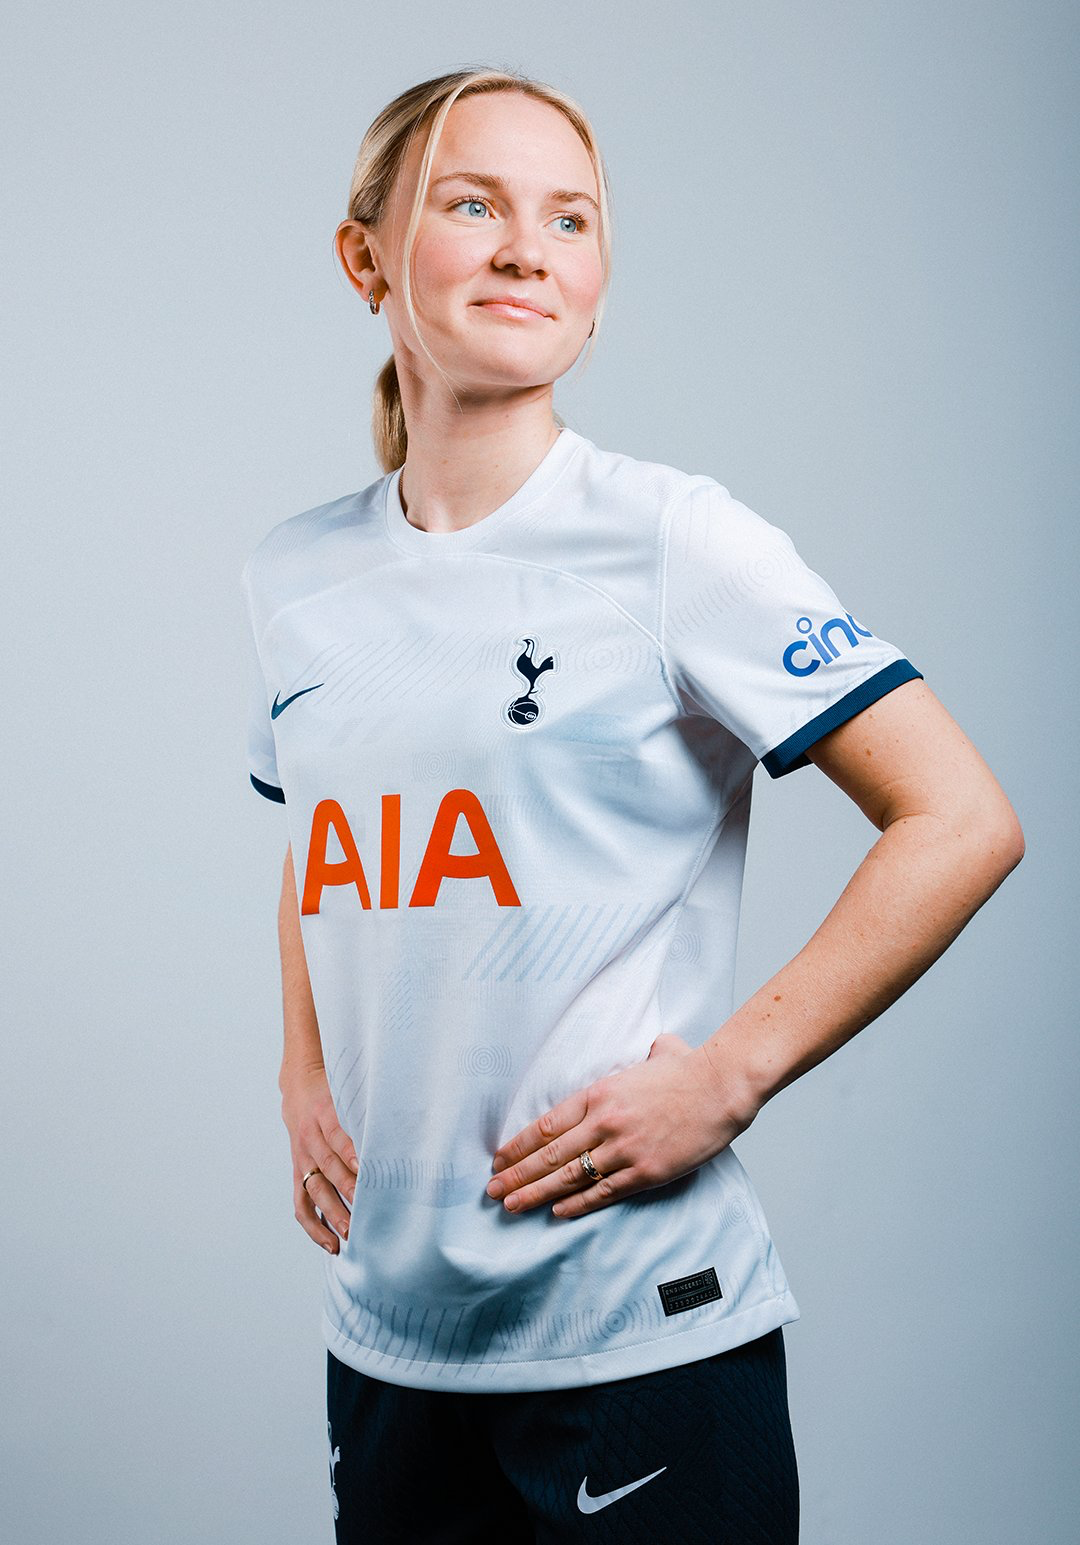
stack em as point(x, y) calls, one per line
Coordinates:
point(688, 1292)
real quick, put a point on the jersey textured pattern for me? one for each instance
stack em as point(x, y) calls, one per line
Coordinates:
point(516, 762)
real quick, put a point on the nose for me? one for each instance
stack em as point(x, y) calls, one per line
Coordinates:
point(522, 248)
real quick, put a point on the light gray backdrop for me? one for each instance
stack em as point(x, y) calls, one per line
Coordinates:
point(846, 287)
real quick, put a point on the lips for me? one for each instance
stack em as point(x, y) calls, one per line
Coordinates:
point(514, 300)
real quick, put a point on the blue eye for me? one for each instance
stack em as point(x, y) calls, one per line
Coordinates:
point(581, 224)
point(471, 200)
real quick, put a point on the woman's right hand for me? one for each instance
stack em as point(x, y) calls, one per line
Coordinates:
point(319, 1141)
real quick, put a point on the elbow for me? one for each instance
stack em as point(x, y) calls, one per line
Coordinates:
point(985, 832)
point(1001, 842)
point(1013, 843)
point(1008, 835)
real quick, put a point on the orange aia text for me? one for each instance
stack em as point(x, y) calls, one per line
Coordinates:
point(437, 864)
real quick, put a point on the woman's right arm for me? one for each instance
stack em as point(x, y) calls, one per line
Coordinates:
point(303, 1048)
point(316, 1135)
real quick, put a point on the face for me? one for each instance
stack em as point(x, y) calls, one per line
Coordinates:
point(533, 235)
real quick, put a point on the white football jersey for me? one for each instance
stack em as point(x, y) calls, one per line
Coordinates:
point(516, 764)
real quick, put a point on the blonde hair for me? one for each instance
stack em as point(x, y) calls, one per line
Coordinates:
point(381, 155)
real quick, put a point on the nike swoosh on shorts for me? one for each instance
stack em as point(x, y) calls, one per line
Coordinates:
point(587, 1504)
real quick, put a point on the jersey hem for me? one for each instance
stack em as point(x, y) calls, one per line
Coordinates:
point(667, 1351)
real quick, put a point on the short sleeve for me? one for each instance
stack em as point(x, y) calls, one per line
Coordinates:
point(261, 750)
point(757, 640)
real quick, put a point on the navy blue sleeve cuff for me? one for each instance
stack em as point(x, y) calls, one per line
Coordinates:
point(271, 790)
point(791, 753)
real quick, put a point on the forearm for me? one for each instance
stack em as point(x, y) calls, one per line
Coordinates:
point(303, 1047)
point(915, 890)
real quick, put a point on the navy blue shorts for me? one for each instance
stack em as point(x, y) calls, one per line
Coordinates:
point(701, 1454)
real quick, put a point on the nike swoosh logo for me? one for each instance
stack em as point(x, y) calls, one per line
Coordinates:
point(281, 707)
point(587, 1504)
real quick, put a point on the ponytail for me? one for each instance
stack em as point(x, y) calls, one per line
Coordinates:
point(388, 419)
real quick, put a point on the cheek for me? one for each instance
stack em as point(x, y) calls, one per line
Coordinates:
point(439, 265)
point(582, 279)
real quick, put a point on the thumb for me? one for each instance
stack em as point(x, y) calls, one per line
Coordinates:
point(667, 1045)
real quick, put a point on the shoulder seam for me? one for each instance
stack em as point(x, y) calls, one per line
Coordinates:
point(247, 572)
point(667, 518)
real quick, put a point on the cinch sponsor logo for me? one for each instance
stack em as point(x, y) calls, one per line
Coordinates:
point(486, 866)
point(821, 641)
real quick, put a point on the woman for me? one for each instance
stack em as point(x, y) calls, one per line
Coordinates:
point(512, 696)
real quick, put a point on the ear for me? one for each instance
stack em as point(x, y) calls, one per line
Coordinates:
point(353, 244)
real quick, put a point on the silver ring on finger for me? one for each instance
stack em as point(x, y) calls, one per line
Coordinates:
point(315, 1170)
point(588, 1167)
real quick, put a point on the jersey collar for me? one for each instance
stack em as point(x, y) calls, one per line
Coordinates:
point(540, 480)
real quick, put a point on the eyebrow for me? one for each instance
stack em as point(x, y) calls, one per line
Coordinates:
point(500, 185)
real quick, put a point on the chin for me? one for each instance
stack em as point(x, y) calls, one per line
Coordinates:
point(504, 368)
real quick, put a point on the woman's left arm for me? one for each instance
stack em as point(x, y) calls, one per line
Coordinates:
point(949, 836)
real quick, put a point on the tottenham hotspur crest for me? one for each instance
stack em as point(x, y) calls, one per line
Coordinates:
point(526, 709)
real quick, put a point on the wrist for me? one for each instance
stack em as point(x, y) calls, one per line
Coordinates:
point(738, 1098)
point(299, 1066)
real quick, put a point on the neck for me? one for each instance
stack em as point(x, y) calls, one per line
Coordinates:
point(461, 466)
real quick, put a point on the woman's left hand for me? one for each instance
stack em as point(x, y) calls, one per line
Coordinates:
point(642, 1127)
